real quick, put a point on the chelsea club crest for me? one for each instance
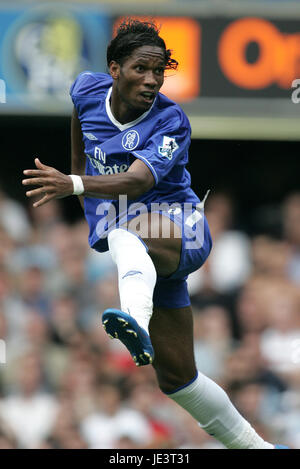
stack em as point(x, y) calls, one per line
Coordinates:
point(130, 140)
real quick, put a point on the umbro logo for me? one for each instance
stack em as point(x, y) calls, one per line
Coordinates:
point(132, 272)
point(89, 136)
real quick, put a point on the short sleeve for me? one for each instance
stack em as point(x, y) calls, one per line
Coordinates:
point(81, 85)
point(167, 146)
point(89, 86)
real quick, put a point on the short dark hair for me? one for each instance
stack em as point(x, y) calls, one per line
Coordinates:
point(132, 34)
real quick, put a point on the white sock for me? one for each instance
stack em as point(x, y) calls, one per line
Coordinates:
point(137, 275)
point(211, 407)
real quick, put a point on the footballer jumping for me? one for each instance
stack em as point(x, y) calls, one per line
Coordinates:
point(129, 153)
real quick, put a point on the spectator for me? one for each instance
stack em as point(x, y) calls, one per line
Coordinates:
point(270, 257)
point(213, 341)
point(147, 400)
point(291, 229)
point(13, 219)
point(104, 428)
point(280, 341)
point(30, 412)
point(228, 265)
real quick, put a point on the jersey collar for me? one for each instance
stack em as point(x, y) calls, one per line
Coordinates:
point(117, 123)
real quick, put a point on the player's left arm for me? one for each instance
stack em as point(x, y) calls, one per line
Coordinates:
point(56, 185)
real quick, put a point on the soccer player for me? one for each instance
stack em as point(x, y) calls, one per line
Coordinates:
point(128, 139)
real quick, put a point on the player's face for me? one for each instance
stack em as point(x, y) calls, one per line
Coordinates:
point(140, 78)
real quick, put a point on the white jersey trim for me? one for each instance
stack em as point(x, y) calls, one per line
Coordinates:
point(117, 123)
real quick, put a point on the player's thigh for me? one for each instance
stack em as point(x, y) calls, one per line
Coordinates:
point(163, 239)
point(172, 337)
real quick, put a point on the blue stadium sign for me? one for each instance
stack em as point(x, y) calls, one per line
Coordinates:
point(42, 49)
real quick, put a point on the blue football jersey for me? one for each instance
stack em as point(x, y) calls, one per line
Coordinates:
point(160, 138)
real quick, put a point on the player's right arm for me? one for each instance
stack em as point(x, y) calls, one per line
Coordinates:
point(78, 158)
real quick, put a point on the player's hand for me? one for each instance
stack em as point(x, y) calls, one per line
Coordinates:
point(54, 184)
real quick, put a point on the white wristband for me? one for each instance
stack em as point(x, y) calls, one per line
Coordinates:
point(78, 187)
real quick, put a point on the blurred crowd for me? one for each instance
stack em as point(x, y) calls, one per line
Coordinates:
point(65, 384)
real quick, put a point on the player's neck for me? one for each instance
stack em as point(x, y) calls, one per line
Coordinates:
point(121, 112)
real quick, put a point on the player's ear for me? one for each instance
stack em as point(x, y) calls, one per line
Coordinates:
point(114, 70)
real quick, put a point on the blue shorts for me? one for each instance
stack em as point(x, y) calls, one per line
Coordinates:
point(172, 292)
